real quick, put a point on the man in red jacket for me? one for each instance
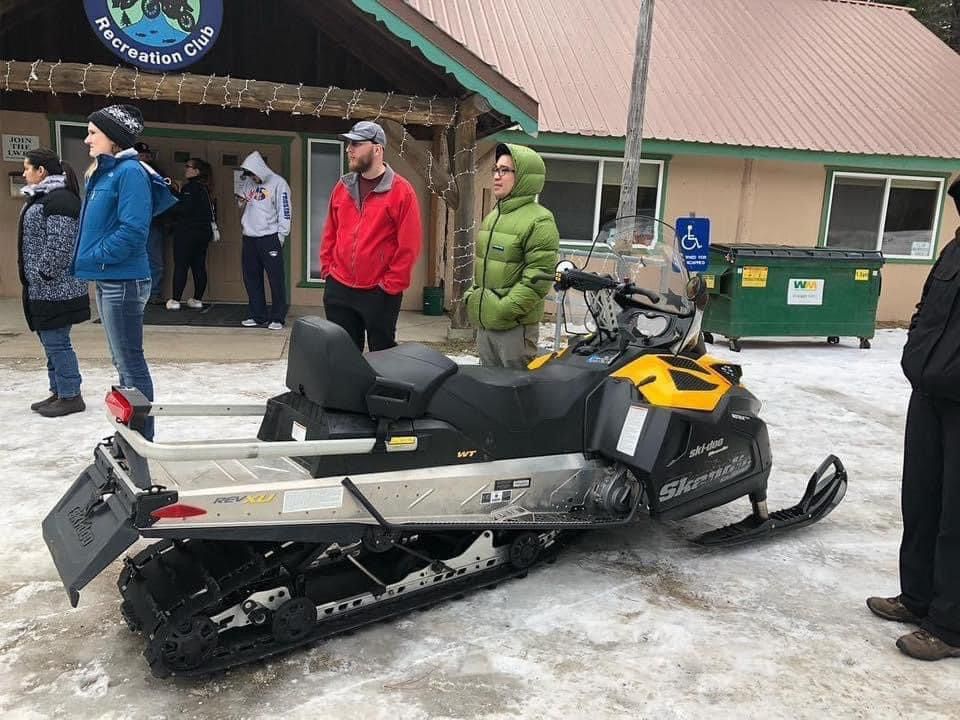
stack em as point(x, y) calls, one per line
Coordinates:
point(370, 242)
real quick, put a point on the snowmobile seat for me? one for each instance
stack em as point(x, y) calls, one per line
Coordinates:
point(516, 413)
point(407, 377)
point(326, 367)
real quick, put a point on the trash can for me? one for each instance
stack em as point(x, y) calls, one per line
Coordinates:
point(433, 300)
point(778, 291)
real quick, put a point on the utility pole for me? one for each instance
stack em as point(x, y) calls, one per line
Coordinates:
point(638, 92)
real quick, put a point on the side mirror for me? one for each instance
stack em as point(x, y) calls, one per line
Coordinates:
point(697, 292)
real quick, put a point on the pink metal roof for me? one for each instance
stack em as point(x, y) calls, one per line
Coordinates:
point(822, 75)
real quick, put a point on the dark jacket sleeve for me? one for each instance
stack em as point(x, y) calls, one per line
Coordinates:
point(194, 205)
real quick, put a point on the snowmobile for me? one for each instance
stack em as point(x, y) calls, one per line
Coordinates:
point(390, 481)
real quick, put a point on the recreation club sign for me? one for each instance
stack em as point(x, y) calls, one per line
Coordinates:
point(156, 35)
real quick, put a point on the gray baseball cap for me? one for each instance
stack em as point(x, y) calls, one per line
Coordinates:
point(366, 130)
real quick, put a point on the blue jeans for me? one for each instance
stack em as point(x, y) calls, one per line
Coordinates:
point(120, 304)
point(62, 368)
point(155, 251)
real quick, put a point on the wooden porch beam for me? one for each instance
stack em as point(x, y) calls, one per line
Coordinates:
point(435, 174)
point(228, 92)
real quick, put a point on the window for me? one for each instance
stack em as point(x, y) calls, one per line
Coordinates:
point(891, 213)
point(325, 167)
point(584, 192)
point(70, 147)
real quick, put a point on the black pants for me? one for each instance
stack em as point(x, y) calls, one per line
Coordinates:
point(264, 254)
point(190, 252)
point(373, 312)
point(930, 499)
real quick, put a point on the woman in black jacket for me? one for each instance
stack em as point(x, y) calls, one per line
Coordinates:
point(192, 232)
point(53, 300)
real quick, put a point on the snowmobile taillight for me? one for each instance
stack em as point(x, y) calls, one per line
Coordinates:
point(119, 406)
point(177, 510)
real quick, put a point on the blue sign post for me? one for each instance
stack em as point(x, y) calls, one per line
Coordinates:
point(693, 238)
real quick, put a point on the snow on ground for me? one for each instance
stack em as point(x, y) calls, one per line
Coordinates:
point(634, 622)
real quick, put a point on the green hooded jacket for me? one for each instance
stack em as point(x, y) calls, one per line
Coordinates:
point(517, 242)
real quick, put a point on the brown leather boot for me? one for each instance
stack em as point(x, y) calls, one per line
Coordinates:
point(37, 405)
point(892, 609)
point(923, 645)
point(63, 406)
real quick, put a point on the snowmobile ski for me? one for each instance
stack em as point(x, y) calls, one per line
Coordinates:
point(824, 492)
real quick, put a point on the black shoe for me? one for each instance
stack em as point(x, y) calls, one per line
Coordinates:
point(63, 406)
point(157, 301)
point(37, 405)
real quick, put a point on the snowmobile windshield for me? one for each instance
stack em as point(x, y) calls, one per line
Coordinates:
point(642, 250)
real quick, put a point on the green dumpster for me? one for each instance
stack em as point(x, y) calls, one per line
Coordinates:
point(780, 291)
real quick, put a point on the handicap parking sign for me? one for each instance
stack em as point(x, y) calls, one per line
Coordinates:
point(693, 239)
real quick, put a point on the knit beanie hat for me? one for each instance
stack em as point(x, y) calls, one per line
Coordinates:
point(121, 123)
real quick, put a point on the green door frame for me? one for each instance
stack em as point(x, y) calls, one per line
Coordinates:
point(284, 141)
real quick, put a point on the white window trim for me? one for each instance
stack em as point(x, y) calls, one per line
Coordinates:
point(310, 238)
point(58, 125)
point(599, 160)
point(887, 178)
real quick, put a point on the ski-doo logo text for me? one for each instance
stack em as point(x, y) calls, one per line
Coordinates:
point(156, 35)
point(708, 447)
point(81, 525)
point(689, 483)
point(245, 499)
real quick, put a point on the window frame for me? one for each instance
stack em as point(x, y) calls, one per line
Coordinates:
point(598, 190)
point(888, 179)
point(308, 141)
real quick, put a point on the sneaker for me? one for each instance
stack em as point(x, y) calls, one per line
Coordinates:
point(275, 326)
point(37, 405)
point(63, 406)
point(173, 304)
point(923, 645)
point(892, 609)
point(250, 322)
point(195, 304)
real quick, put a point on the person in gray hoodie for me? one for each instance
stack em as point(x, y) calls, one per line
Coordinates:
point(265, 202)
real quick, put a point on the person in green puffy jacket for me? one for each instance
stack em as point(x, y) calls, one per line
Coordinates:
point(517, 243)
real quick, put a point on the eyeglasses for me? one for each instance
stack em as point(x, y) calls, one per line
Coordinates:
point(499, 171)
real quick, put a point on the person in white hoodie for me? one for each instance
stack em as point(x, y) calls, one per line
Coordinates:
point(265, 202)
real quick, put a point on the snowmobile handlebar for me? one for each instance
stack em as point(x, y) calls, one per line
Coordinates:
point(574, 279)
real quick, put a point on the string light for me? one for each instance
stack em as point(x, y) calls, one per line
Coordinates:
point(32, 75)
point(110, 83)
point(269, 108)
point(296, 108)
point(226, 91)
point(83, 80)
point(156, 90)
point(7, 78)
point(50, 77)
point(183, 79)
point(383, 105)
point(136, 79)
point(245, 88)
point(203, 98)
point(352, 105)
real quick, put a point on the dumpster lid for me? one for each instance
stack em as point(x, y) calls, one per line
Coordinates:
point(782, 252)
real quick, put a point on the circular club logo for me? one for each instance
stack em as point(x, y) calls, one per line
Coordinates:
point(156, 35)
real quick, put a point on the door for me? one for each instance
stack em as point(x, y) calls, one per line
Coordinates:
point(224, 268)
point(224, 258)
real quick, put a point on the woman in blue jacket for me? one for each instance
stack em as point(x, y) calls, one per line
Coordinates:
point(122, 197)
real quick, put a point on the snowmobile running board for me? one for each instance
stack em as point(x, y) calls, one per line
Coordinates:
point(824, 492)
